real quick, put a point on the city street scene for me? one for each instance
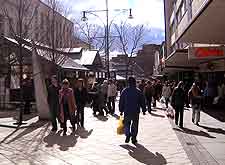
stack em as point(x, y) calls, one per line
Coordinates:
point(101, 82)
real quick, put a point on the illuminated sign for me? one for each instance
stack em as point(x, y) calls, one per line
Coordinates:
point(206, 52)
point(210, 52)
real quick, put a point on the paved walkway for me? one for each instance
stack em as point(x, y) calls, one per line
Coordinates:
point(204, 144)
point(97, 144)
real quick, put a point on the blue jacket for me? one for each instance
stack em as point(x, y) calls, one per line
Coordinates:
point(131, 100)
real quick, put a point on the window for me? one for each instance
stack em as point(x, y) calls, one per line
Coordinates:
point(2, 25)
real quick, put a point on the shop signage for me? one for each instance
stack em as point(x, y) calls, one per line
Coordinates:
point(206, 52)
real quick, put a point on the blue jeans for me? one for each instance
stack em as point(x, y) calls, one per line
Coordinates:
point(131, 125)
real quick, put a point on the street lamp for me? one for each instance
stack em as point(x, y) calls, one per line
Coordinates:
point(107, 30)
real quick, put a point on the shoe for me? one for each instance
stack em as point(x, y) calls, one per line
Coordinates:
point(127, 140)
point(134, 141)
point(64, 133)
point(54, 129)
point(193, 121)
point(181, 127)
point(197, 124)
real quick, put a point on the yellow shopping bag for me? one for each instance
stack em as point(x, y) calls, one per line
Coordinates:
point(120, 128)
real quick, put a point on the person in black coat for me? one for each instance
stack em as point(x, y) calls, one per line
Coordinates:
point(178, 101)
point(81, 96)
point(53, 101)
point(27, 89)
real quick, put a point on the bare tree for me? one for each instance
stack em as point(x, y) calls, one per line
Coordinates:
point(20, 16)
point(90, 33)
point(130, 40)
point(59, 32)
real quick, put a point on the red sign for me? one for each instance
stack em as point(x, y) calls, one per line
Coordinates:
point(208, 52)
point(215, 52)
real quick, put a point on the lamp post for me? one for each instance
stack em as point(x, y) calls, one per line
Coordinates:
point(107, 30)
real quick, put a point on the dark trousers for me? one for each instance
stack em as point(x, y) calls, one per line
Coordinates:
point(149, 103)
point(167, 101)
point(179, 115)
point(154, 102)
point(80, 115)
point(131, 125)
point(27, 107)
point(111, 104)
point(54, 112)
point(69, 116)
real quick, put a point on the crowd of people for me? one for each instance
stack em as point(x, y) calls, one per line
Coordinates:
point(68, 103)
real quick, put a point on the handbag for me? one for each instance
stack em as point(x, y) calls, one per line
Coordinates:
point(120, 127)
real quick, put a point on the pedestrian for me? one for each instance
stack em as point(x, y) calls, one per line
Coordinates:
point(112, 93)
point(81, 96)
point(178, 100)
point(148, 92)
point(53, 101)
point(131, 100)
point(166, 93)
point(195, 98)
point(68, 106)
point(27, 89)
point(103, 98)
point(95, 98)
point(141, 86)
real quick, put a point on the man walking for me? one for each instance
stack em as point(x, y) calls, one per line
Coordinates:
point(53, 101)
point(131, 100)
point(178, 100)
point(148, 91)
point(112, 93)
point(81, 96)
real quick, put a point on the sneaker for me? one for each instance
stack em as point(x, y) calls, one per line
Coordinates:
point(127, 139)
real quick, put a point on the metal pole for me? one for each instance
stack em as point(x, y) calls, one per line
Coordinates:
point(107, 38)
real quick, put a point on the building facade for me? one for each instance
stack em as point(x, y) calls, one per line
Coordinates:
point(145, 58)
point(195, 36)
point(38, 22)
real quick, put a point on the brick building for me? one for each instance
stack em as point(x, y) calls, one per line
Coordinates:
point(145, 58)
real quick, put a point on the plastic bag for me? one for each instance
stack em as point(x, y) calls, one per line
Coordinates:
point(120, 128)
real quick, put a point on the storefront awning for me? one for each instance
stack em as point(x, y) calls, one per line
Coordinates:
point(208, 25)
point(178, 61)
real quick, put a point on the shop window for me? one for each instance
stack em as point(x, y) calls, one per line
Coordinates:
point(2, 28)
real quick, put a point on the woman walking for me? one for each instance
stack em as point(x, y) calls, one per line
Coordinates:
point(166, 92)
point(67, 106)
point(195, 98)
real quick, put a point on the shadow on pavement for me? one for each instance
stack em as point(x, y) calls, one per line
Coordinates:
point(83, 133)
point(32, 127)
point(157, 115)
point(214, 130)
point(157, 108)
point(216, 114)
point(143, 155)
point(102, 118)
point(64, 142)
point(194, 132)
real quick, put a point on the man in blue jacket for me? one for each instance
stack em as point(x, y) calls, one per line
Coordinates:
point(131, 100)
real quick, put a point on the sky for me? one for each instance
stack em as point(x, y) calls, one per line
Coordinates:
point(147, 12)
